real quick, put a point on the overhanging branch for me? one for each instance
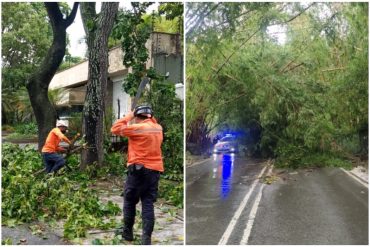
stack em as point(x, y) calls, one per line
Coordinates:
point(69, 20)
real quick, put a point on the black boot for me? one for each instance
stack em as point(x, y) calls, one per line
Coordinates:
point(146, 238)
point(127, 232)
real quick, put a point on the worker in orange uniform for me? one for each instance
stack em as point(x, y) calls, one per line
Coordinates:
point(54, 161)
point(144, 166)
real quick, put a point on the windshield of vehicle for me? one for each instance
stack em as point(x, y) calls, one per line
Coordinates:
point(227, 139)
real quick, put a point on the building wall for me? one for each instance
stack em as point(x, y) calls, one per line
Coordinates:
point(167, 57)
point(180, 91)
point(159, 42)
point(163, 43)
point(73, 75)
point(119, 94)
point(72, 96)
point(170, 63)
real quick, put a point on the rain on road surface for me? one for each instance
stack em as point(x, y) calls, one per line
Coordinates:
point(214, 191)
point(324, 206)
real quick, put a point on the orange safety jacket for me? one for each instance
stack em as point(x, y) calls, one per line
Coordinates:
point(52, 141)
point(144, 142)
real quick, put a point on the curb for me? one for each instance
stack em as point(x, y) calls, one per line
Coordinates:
point(355, 177)
point(358, 177)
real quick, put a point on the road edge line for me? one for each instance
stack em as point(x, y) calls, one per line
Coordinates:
point(355, 177)
point(225, 237)
point(198, 163)
point(253, 213)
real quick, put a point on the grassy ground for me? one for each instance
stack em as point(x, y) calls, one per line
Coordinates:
point(20, 137)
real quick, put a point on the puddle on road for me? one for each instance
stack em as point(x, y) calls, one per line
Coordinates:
point(224, 172)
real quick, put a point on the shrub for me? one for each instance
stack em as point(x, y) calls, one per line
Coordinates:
point(172, 192)
point(27, 128)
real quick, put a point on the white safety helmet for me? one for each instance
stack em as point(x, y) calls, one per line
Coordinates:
point(61, 123)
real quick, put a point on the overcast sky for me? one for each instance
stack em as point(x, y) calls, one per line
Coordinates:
point(76, 33)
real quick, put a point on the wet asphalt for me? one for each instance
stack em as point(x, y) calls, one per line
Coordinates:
point(320, 206)
point(308, 206)
point(214, 191)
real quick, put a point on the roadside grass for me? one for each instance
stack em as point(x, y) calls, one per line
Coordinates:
point(23, 131)
point(18, 136)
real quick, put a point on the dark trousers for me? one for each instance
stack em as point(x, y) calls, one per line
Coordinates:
point(140, 186)
point(53, 161)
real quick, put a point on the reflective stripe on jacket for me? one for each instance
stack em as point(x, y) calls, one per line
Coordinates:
point(52, 141)
point(144, 142)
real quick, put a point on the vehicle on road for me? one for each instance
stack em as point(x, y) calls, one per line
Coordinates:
point(227, 144)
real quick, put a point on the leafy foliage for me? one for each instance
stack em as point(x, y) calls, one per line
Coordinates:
point(45, 197)
point(172, 192)
point(133, 32)
point(23, 46)
point(133, 29)
point(173, 15)
point(26, 129)
point(168, 111)
point(291, 74)
point(16, 106)
point(26, 32)
point(23, 131)
point(69, 61)
point(27, 197)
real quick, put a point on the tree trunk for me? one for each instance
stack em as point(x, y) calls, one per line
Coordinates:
point(38, 83)
point(97, 28)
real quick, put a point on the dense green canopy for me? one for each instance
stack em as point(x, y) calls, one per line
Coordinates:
point(297, 72)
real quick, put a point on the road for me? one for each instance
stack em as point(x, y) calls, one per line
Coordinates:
point(227, 204)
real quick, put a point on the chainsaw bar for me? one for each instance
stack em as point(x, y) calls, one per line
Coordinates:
point(139, 91)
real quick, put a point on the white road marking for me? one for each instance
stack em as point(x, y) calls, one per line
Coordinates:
point(225, 237)
point(253, 213)
point(358, 180)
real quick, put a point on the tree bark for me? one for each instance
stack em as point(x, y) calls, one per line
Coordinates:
point(98, 29)
point(38, 83)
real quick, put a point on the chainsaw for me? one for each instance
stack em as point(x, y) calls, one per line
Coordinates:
point(142, 85)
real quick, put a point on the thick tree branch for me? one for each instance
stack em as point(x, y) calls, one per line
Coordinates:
point(38, 83)
point(69, 20)
point(54, 13)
